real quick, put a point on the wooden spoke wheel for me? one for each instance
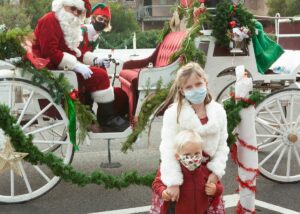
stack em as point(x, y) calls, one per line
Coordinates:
point(278, 135)
point(47, 122)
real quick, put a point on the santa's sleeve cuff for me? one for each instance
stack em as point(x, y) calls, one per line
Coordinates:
point(68, 62)
point(88, 58)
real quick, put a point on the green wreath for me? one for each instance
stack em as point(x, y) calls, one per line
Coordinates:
point(229, 15)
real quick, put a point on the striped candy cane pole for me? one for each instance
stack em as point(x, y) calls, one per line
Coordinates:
point(247, 157)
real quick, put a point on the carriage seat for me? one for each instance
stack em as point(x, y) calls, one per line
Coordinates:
point(136, 75)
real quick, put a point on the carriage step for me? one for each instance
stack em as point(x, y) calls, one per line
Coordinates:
point(111, 135)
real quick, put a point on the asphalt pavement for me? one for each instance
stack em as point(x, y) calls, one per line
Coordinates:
point(67, 198)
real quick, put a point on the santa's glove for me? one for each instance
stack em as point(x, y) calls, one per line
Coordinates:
point(84, 70)
point(101, 62)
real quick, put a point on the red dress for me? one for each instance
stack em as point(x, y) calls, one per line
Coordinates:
point(212, 205)
point(192, 192)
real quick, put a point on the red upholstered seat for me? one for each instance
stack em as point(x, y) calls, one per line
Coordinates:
point(161, 57)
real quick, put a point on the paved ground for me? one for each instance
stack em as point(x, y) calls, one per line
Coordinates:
point(67, 198)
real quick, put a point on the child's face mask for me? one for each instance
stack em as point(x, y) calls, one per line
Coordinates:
point(191, 162)
point(196, 95)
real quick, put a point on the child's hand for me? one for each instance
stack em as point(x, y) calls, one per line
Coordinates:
point(165, 196)
point(212, 178)
point(173, 191)
point(210, 189)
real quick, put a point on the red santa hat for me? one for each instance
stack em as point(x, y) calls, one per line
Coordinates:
point(80, 4)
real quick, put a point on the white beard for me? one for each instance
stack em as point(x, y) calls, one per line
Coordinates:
point(71, 27)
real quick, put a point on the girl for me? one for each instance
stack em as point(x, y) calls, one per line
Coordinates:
point(193, 109)
point(195, 194)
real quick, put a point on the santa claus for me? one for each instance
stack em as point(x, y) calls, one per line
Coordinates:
point(58, 37)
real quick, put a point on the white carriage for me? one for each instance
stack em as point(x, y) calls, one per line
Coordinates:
point(278, 125)
point(277, 117)
point(38, 115)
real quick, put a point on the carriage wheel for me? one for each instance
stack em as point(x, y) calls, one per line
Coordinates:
point(225, 93)
point(278, 135)
point(38, 115)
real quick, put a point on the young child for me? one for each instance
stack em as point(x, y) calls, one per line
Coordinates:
point(195, 193)
point(193, 109)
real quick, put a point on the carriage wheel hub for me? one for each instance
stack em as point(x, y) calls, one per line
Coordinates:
point(293, 138)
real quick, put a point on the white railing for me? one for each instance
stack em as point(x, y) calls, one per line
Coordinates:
point(278, 20)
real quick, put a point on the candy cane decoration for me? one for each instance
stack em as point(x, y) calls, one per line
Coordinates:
point(247, 156)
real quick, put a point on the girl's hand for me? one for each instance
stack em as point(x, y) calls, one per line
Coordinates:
point(210, 189)
point(212, 178)
point(165, 196)
point(173, 191)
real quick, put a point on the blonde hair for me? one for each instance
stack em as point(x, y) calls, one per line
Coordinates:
point(185, 136)
point(182, 76)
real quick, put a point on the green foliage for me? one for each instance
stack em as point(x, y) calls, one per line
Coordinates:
point(285, 8)
point(85, 118)
point(148, 108)
point(123, 19)
point(188, 51)
point(35, 9)
point(147, 39)
point(13, 16)
point(116, 40)
point(166, 29)
point(10, 43)
point(233, 109)
point(224, 15)
point(24, 144)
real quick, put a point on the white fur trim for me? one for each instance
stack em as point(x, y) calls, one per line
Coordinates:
point(92, 33)
point(214, 135)
point(104, 96)
point(170, 168)
point(58, 4)
point(68, 62)
point(88, 58)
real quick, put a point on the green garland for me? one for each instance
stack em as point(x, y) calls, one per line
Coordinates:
point(233, 109)
point(224, 15)
point(24, 144)
point(165, 31)
point(148, 108)
point(188, 51)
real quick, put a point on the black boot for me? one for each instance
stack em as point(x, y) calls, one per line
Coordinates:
point(108, 120)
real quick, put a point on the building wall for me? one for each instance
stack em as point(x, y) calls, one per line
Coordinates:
point(257, 7)
point(162, 7)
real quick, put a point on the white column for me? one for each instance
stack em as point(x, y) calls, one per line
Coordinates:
point(247, 155)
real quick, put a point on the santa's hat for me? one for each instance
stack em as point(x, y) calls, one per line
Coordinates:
point(80, 4)
point(102, 9)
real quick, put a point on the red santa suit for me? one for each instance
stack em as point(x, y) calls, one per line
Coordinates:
point(192, 197)
point(51, 44)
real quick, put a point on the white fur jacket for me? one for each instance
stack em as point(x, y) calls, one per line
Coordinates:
point(214, 134)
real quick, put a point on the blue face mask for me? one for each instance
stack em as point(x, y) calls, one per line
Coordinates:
point(196, 95)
